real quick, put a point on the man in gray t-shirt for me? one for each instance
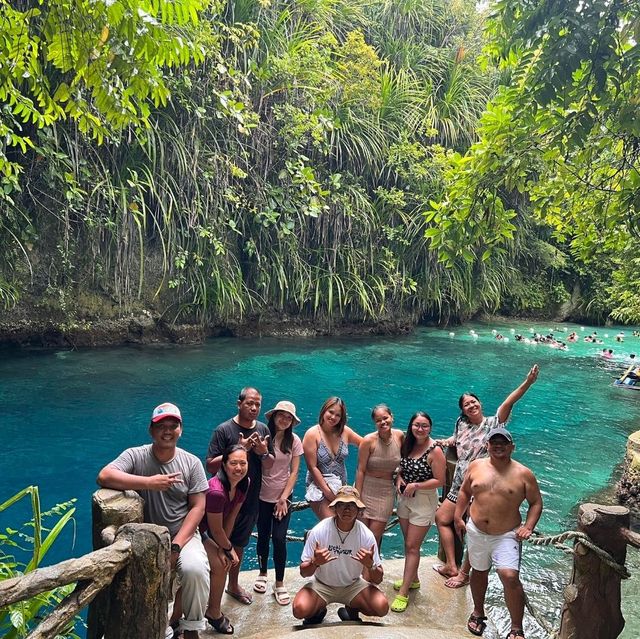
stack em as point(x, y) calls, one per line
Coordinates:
point(173, 485)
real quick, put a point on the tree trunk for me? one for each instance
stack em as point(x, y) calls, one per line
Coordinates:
point(138, 597)
point(592, 599)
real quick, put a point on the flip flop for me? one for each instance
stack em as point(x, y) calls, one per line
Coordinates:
point(453, 582)
point(438, 568)
point(415, 585)
point(221, 625)
point(400, 603)
point(243, 597)
point(261, 584)
point(282, 595)
point(515, 633)
point(479, 623)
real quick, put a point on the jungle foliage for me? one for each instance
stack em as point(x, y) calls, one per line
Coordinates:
point(321, 158)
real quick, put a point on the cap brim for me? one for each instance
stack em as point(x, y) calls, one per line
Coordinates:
point(357, 502)
point(159, 418)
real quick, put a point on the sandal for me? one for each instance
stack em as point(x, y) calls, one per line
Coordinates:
point(243, 597)
point(221, 625)
point(400, 603)
point(455, 582)
point(282, 595)
point(479, 622)
point(415, 585)
point(261, 584)
point(515, 633)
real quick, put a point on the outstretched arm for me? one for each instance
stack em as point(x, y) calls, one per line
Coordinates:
point(112, 477)
point(506, 407)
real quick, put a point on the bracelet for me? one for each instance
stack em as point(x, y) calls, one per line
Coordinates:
point(264, 455)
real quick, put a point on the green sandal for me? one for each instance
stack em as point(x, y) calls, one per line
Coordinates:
point(415, 585)
point(400, 603)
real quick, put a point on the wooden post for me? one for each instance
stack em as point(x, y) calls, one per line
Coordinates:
point(110, 510)
point(138, 597)
point(592, 599)
point(452, 459)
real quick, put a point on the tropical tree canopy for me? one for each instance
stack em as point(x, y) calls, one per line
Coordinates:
point(322, 158)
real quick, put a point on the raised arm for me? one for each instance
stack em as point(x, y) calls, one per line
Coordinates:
point(505, 408)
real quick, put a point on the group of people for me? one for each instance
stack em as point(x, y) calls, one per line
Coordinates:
point(254, 468)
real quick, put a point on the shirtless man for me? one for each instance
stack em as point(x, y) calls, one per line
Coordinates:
point(495, 530)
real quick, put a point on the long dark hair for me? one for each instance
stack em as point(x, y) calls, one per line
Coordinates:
point(287, 435)
point(461, 401)
point(410, 438)
point(243, 484)
point(332, 401)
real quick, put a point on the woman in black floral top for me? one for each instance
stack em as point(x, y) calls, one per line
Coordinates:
point(421, 473)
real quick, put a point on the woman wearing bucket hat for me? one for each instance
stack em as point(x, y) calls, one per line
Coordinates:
point(277, 485)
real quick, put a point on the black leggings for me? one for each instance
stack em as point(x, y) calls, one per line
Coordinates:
point(276, 529)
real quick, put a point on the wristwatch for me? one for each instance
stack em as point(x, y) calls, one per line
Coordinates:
point(176, 548)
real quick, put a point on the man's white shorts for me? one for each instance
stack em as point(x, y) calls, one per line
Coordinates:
point(503, 551)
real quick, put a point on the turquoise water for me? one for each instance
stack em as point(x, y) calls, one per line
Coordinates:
point(65, 414)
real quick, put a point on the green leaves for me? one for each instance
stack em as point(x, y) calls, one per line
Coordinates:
point(96, 63)
point(17, 619)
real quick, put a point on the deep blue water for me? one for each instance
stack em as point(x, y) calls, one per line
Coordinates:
point(66, 414)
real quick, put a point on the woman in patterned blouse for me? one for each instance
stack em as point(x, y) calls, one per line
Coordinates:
point(470, 440)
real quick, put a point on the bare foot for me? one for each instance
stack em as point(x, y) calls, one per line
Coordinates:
point(443, 571)
point(460, 580)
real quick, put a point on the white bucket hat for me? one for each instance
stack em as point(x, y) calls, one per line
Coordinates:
point(287, 407)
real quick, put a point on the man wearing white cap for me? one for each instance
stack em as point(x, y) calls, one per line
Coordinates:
point(335, 551)
point(498, 486)
point(173, 484)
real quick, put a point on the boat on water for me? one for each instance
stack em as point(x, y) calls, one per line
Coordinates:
point(630, 380)
point(627, 384)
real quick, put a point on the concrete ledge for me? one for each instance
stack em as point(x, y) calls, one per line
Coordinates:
point(434, 611)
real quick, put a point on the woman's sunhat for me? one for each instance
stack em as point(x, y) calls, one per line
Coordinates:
point(287, 407)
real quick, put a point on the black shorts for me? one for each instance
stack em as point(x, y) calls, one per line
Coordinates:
point(242, 529)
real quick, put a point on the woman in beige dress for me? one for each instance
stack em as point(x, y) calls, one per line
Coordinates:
point(378, 458)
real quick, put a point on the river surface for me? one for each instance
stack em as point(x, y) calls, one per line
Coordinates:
point(65, 414)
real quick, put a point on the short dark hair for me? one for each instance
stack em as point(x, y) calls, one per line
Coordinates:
point(245, 391)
